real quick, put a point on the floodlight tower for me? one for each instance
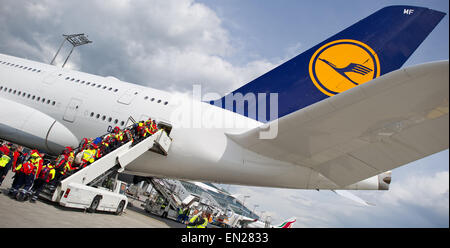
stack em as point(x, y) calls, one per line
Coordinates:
point(75, 40)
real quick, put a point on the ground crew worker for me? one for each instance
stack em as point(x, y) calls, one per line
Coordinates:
point(5, 161)
point(83, 144)
point(186, 215)
point(89, 156)
point(153, 127)
point(140, 131)
point(180, 216)
point(31, 168)
point(67, 168)
point(197, 221)
point(127, 136)
point(104, 146)
point(19, 158)
point(46, 175)
point(63, 157)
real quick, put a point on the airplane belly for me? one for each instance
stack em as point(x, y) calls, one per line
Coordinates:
point(209, 155)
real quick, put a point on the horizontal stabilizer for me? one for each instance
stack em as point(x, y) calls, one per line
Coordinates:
point(393, 120)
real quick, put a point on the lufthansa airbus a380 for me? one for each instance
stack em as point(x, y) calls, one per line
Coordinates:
point(338, 116)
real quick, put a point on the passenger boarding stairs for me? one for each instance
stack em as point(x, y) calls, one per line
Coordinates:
point(167, 192)
point(109, 165)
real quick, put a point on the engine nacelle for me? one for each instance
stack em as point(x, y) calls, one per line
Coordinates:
point(378, 182)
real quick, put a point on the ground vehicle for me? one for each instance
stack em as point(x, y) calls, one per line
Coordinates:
point(93, 199)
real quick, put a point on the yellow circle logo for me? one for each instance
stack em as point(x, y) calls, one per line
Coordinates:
point(343, 64)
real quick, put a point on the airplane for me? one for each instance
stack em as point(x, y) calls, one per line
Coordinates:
point(246, 222)
point(319, 131)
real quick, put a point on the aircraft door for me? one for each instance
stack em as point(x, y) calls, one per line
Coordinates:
point(128, 96)
point(50, 78)
point(72, 110)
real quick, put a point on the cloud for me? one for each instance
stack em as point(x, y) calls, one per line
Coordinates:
point(168, 45)
point(414, 201)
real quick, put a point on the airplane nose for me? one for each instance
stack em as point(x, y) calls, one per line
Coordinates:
point(59, 137)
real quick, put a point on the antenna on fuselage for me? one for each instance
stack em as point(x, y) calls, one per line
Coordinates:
point(75, 40)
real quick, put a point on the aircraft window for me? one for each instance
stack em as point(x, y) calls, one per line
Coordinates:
point(165, 103)
point(78, 80)
point(9, 91)
point(88, 83)
point(20, 67)
point(28, 96)
point(38, 98)
point(53, 103)
point(103, 117)
point(38, 71)
point(72, 79)
point(17, 66)
point(34, 69)
point(6, 88)
point(1, 87)
point(93, 84)
point(33, 97)
point(82, 82)
point(25, 68)
point(11, 64)
point(104, 87)
point(97, 116)
point(115, 90)
point(7, 64)
point(98, 86)
point(159, 101)
point(67, 78)
point(23, 94)
point(43, 100)
point(14, 92)
point(135, 93)
point(152, 99)
point(145, 98)
point(92, 114)
point(115, 121)
point(122, 123)
point(110, 88)
point(59, 75)
point(29, 68)
point(48, 101)
point(19, 93)
point(109, 119)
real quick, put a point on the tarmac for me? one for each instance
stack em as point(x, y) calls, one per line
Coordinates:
point(47, 214)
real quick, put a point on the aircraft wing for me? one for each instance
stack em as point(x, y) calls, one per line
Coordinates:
point(395, 119)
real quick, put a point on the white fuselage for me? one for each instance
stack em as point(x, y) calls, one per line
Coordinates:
point(197, 152)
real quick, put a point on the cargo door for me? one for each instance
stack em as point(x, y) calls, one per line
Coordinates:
point(72, 110)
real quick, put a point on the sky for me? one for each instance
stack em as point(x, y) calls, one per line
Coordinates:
point(173, 44)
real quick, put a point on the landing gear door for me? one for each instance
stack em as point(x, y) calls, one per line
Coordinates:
point(72, 110)
point(128, 96)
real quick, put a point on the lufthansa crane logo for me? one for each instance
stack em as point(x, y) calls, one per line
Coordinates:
point(343, 64)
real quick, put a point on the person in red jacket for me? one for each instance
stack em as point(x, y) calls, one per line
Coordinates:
point(19, 159)
point(36, 163)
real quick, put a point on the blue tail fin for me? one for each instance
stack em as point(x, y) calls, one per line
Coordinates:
point(374, 46)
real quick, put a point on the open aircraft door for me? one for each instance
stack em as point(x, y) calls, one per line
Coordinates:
point(72, 110)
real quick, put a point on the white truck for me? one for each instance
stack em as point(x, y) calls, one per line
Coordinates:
point(96, 199)
point(96, 187)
